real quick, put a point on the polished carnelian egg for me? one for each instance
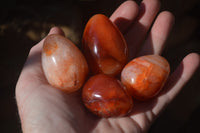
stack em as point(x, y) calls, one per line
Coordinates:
point(104, 46)
point(63, 63)
point(145, 76)
point(105, 96)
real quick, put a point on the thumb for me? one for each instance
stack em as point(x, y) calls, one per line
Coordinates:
point(31, 77)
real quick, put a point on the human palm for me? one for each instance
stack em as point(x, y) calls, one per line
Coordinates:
point(45, 109)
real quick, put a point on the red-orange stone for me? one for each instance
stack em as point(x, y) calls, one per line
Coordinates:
point(145, 76)
point(105, 96)
point(104, 46)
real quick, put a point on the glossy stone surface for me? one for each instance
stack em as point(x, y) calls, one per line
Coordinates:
point(106, 96)
point(104, 46)
point(145, 76)
point(63, 63)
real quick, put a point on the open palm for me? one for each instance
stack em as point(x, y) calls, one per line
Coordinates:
point(45, 109)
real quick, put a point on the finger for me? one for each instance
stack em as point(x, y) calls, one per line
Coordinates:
point(158, 34)
point(56, 30)
point(124, 15)
point(177, 80)
point(137, 32)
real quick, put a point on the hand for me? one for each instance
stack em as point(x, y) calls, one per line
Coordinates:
point(45, 109)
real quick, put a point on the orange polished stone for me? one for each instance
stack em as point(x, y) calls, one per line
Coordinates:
point(63, 63)
point(106, 96)
point(104, 46)
point(145, 76)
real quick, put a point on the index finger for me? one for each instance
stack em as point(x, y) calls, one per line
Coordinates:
point(124, 15)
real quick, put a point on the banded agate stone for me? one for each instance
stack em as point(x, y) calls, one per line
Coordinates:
point(145, 76)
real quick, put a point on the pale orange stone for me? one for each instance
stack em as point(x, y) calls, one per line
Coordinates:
point(145, 76)
point(63, 63)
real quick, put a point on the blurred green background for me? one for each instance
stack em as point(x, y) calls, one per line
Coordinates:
point(24, 22)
